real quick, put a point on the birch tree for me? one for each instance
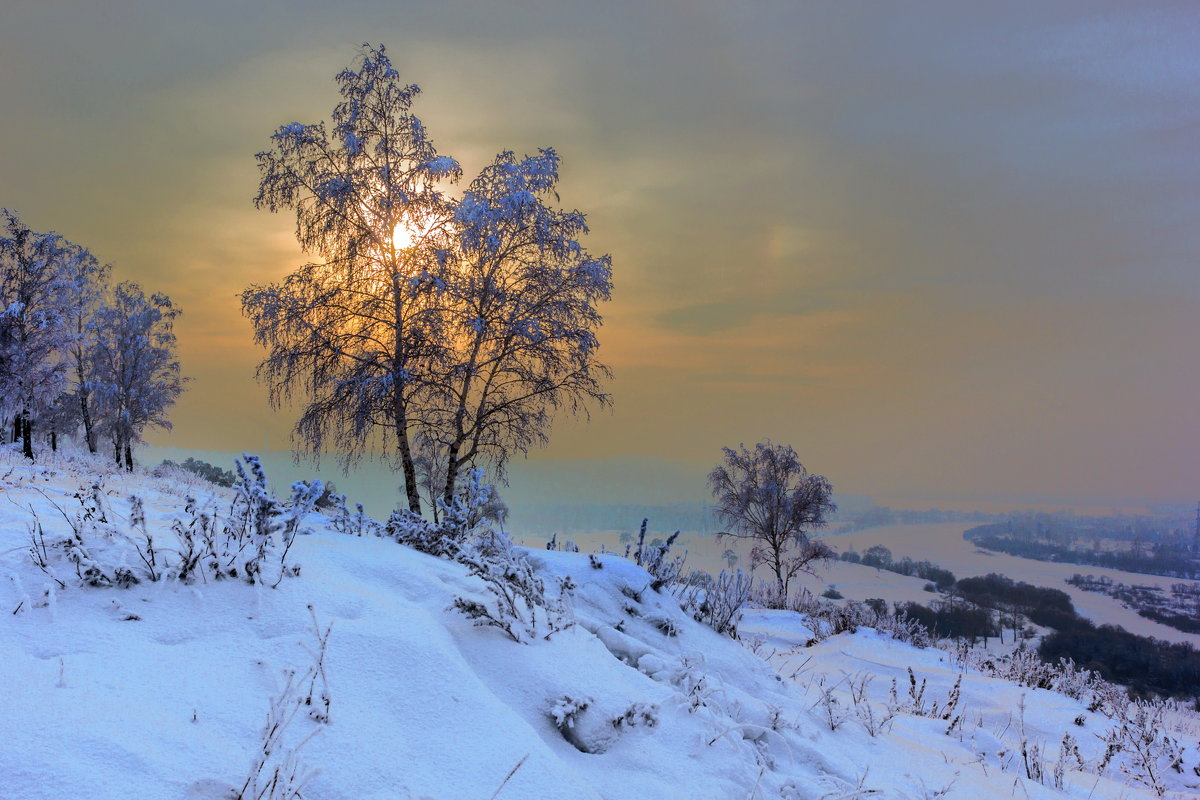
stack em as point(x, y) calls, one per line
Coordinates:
point(351, 334)
point(523, 317)
point(768, 497)
point(135, 376)
point(35, 331)
point(439, 332)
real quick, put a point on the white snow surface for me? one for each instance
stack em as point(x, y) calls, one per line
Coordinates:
point(161, 690)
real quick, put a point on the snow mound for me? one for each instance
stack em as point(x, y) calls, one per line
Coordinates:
point(161, 689)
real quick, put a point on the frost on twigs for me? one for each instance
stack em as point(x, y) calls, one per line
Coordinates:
point(517, 601)
point(276, 772)
point(654, 558)
point(717, 602)
point(252, 542)
point(582, 723)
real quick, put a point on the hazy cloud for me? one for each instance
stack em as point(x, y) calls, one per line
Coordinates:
point(936, 246)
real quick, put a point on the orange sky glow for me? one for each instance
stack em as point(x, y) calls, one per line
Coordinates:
point(943, 251)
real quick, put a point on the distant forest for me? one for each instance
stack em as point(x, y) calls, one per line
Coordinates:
point(981, 607)
point(881, 516)
point(1165, 546)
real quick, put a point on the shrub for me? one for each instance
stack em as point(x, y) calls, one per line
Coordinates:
point(255, 537)
point(210, 473)
point(718, 603)
point(518, 605)
point(654, 559)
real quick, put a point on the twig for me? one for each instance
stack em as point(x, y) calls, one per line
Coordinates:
point(507, 777)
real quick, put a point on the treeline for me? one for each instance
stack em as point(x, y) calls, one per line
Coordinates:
point(950, 620)
point(1069, 529)
point(880, 516)
point(1172, 558)
point(880, 557)
point(1145, 665)
point(981, 607)
point(1188, 623)
point(1043, 606)
point(1179, 611)
point(79, 355)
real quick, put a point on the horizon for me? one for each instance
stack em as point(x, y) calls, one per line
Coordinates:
point(536, 487)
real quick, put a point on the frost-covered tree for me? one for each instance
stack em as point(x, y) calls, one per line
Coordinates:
point(440, 333)
point(523, 316)
point(135, 376)
point(767, 496)
point(87, 279)
point(35, 329)
point(353, 333)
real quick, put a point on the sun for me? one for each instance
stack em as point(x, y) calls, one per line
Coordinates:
point(403, 236)
point(409, 231)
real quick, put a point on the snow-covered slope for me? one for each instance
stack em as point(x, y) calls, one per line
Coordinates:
point(161, 689)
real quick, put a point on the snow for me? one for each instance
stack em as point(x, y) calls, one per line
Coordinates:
point(161, 690)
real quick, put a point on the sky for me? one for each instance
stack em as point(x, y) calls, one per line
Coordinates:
point(945, 250)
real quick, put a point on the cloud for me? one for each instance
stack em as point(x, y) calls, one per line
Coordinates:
point(941, 245)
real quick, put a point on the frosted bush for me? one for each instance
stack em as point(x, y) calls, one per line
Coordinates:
point(718, 602)
point(517, 601)
point(654, 558)
point(252, 542)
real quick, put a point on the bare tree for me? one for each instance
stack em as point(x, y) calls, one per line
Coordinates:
point(35, 333)
point(88, 281)
point(352, 333)
point(767, 496)
point(523, 317)
point(441, 333)
point(135, 376)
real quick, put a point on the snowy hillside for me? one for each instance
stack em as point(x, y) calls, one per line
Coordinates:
point(378, 686)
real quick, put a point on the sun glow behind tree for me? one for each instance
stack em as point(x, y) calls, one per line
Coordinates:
point(442, 332)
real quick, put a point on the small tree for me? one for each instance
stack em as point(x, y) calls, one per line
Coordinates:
point(87, 279)
point(523, 314)
point(35, 333)
point(135, 376)
point(767, 496)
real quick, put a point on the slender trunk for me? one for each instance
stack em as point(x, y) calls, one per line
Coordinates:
point(399, 406)
point(451, 472)
point(16, 428)
point(89, 435)
point(117, 451)
point(460, 416)
point(54, 441)
point(27, 436)
point(410, 471)
point(404, 447)
point(128, 458)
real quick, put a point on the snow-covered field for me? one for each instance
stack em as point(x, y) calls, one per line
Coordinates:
point(162, 689)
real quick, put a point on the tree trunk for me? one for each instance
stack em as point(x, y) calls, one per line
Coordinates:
point(399, 408)
point(117, 451)
point(54, 441)
point(16, 428)
point(451, 472)
point(27, 436)
point(89, 435)
point(406, 457)
point(128, 458)
point(777, 565)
